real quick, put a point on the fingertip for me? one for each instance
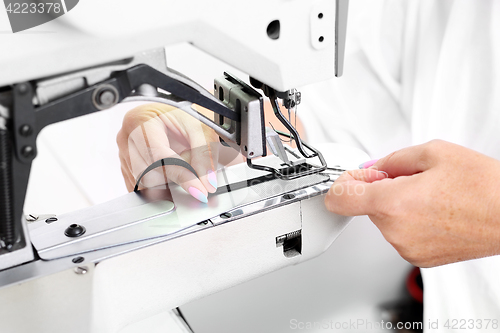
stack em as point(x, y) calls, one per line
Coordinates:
point(333, 192)
point(367, 164)
point(373, 175)
point(198, 194)
point(349, 198)
point(212, 179)
point(366, 175)
point(386, 175)
point(210, 188)
point(209, 181)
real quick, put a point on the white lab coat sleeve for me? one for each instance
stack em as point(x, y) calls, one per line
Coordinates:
point(362, 108)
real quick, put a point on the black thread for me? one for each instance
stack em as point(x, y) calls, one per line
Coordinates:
point(164, 162)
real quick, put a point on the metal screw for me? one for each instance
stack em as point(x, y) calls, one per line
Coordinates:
point(27, 151)
point(288, 196)
point(50, 220)
point(226, 215)
point(81, 270)
point(23, 88)
point(31, 218)
point(105, 96)
point(78, 260)
point(74, 230)
point(25, 130)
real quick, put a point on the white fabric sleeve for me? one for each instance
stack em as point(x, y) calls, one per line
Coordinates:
point(362, 108)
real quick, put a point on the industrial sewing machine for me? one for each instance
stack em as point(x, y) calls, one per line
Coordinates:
point(267, 214)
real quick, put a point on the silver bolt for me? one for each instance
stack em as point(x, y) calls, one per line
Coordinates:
point(107, 98)
point(31, 218)
point(23, 88)
point(81, 270)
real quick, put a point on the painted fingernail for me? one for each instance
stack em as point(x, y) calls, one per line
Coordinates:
point(212, 178)
point(197, 194)
point(367, 164)
point(385, 173)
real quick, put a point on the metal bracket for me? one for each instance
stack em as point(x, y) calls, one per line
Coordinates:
point(23, 117)
point(342, 7)
point(28, 120)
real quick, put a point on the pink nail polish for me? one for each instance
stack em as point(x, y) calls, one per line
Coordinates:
point(212, 178)
point(197, 194)
point(367, 164)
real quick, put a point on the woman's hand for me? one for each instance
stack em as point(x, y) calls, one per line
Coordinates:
point(440, 202)
point(151, 132)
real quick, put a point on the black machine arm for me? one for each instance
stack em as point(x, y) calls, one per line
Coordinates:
point(18, 133)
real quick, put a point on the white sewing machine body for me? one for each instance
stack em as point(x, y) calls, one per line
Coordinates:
point(138, 257)
point(96, 33)
point(126, 283)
